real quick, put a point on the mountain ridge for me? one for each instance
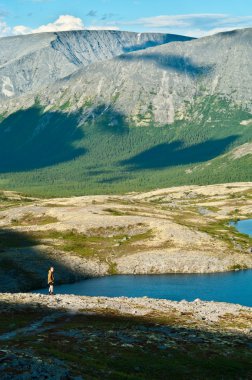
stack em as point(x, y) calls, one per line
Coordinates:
point(45, 57)
point(159, 82)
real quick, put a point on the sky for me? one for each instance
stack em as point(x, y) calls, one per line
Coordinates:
point(195, 18)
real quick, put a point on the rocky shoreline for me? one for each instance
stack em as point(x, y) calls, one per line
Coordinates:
point(67, 337)
point(201, 310)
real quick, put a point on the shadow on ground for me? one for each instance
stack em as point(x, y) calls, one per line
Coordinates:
point(31, 139)
point(174, 153)
point(179, 64)
point(109, 346)
point(163, 39)
point(24, 263)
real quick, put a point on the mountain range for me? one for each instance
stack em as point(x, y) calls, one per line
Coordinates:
point(29, 62)
point(108, 111)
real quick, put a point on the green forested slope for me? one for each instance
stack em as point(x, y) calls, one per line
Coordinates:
point(56, 154)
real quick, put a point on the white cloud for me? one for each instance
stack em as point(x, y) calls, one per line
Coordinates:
point(197, 25)
point(63, 23)
point(176, 20)
point(5, 30)
point(107, 27)
point(21, 29)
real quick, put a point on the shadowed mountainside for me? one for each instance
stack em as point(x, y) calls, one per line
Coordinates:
point(176, 63)
point(81, 135)
point(174, 153)
point(32, 139)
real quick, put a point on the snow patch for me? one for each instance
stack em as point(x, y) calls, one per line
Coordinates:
point(246, 122)
point(7, 87)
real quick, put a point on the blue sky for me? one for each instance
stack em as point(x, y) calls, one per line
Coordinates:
point(189, 17)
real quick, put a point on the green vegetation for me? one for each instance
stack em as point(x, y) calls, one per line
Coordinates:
point(112, 269)
point(107, 345)
point(12, 201)
point(238, 267)
point(113, 211)
point(53, 155)
point(100, 246)
point(65, 106)
point(218, 229)
point(31, 219)
point(19, 319)
point(71, 241)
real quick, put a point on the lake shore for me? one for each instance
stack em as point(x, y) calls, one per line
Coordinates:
point(208, 312)
point(175, 230)
point(145, 338)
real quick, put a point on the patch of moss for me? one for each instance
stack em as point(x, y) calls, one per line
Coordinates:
point(114, 212)
point(86, 245)
point(10, 321)
point(237, 267)
point(32, 219)
point(112, 268)
point(65, 106)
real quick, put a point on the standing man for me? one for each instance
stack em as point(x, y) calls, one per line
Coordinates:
point(51, 280)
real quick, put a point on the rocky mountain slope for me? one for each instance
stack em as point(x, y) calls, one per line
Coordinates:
point(83, 127)
point(28, 63)
point(157, 84)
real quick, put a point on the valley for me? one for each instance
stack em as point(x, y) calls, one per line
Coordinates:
point(125, 154)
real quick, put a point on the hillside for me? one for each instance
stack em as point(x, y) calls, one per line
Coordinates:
point(174, 230)
point(28, 63)
point(161, 116)
point(159, 85)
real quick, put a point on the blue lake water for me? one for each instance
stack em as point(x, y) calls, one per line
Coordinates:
point(244, 226)
point(234, 287)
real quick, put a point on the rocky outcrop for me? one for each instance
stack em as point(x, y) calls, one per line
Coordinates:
point(160, 262)
point(26, 269)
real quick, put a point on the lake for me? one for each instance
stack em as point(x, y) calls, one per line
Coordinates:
point(243, 226)
point(234, 287)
